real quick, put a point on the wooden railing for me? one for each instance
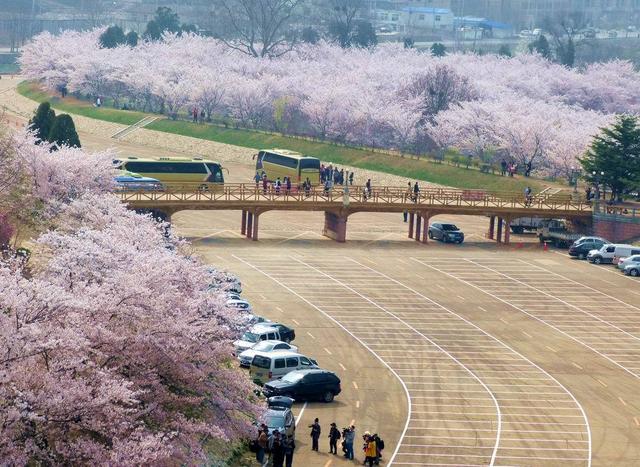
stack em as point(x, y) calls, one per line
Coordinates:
point(436, 197)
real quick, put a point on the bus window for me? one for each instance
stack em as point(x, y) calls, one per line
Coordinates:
point(313, 164)
point(216, 173)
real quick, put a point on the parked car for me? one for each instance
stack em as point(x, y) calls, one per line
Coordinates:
point(256, 333)
point(130, 181)
point(611, 252)
point(246, 357)
point(287, 334)
point(588, 239)
point(629, 260)
point(266, 366)
point(632, 270)
point(281, 419)
point(445, 232)
point(224, 281)
point(305, 385)
point(239, 304)
point(589, 33)
point(582, 248)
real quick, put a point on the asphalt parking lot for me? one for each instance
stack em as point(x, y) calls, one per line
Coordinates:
point(466, 354)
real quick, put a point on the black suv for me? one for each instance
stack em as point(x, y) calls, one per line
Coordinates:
point(582, 249)
point(287, 334)
point(305, 385)
point(446, 232)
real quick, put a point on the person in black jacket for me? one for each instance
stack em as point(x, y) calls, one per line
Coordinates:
point(277, 450)
point(289, 445)
point(315, 434)
point(334, 436)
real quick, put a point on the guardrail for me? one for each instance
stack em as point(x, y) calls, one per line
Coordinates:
point(630, 214)
point(437, 197)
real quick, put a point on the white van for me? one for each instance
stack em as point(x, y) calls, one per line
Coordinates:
point(266, 366)
point(611, 253)
point(256, 333)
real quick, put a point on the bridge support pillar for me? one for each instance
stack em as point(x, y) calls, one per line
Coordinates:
point(243, 225)
point(249, 224)
point(418, 227)
point(254, 236)
point(411, 220)
point(335, 226)
point(507, 231)
point(492, 227)
point(499, 237)
point(425, 228)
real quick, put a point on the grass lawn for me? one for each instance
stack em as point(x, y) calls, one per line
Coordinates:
point(412, 169)
point(75, 106)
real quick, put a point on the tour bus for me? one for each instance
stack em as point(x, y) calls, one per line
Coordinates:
point(282, 163)
point(172, 171)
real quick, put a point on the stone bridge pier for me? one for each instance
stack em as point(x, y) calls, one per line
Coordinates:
point(335, 225)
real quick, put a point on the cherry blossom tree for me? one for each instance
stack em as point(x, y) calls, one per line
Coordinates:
point(114, 348)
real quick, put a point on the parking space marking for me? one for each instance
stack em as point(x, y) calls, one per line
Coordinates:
point(342, 366)
point(304, 406)
point(594, 323)
point(311, 335)
point(512, 380)
point(328, 351)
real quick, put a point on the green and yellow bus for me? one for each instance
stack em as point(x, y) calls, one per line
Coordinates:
point(280, 163)
point(197, 172)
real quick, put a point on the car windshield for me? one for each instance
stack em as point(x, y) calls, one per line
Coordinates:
point(449, 227)
point(250, 337)
point(292, 377)
point(263, 346)
point(274, 421)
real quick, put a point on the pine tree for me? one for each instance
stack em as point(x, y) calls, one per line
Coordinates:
point(63, 132)
point(438, 49)
point(42, 121)
point(613, 160)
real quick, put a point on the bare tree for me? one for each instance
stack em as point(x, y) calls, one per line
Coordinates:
point(258, 27)
point(343, 22)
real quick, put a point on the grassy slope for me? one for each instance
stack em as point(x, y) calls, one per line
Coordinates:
point(413, 169)
point(78, 107)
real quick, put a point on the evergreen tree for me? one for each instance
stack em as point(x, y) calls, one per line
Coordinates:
point(63, 132)
point(541, 46)
point(112, 37)
point(42, 121)
point(613, 160)
point(504, 51)
point(365, 35)
point(310, 35)
point(132, 38)
point(164, 20)
point(438, 49)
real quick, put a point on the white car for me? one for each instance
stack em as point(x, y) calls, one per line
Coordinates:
point(246, 356)
point(256, 333)
point(624, 262)
point(240, 304)
point(632, 270)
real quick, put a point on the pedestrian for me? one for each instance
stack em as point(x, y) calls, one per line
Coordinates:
point(264, 183)
point(277, 450)
point(315, 434)
point(307, 187)
point(289, 445)
point(587, 193)
point(370, 450)
point(278, 185)
point(257, 177)
point(334, 436)
point(416, 192)
point(367, 189)
point(194, 112)
point(379, 448)
point(262, 442)
point(287, 185)
point(503, 167)
point(527, 196)
point(321, 173)
point(202, 115)
point(98, 101)
point(350, 178)
point(349, 438)
point(341, 176)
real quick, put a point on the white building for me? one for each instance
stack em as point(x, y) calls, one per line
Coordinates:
point(425, 19)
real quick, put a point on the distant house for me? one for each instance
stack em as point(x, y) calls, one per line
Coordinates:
point(425, 19)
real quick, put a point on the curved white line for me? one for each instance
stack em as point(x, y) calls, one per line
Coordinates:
point(468, 370)
point(404, 386)
point(584, 415)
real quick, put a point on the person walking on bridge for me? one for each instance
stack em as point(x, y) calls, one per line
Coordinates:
point(257, 177)
point(416, 192)
point(367, 189)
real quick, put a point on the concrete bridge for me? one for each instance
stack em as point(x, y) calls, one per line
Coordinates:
point(341, 202)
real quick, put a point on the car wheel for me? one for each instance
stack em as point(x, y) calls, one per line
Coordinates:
point(328, 396)
point(597, 260)
point(634, 273)
point(460, 242)
point(581, 256)
point(430, 234)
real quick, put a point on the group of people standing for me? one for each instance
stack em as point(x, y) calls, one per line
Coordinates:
point(331, 174)
point(372, 447)
point(277, 448)
point(508, 169)
point(278, 185)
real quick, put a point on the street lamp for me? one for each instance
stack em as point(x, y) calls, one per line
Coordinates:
point(597, 177)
